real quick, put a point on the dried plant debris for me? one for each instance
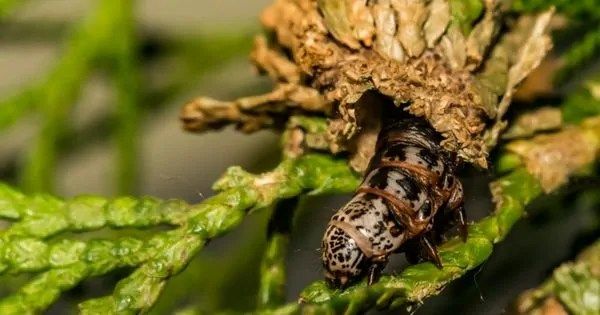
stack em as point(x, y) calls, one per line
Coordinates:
point(303, 134)
point(274, 63)
point(454, 63)
point(531, 44)
point(529, 123)
point(551, 158)
point(254, 112)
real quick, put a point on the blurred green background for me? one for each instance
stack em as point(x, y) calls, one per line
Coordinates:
point(187, 48)
point(176, 38)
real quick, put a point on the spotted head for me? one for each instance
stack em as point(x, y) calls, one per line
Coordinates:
point(359, 238)
point(343, 260)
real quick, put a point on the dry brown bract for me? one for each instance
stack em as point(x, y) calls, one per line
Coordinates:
point(411, 51)
point(552, 158)
point(532, 122)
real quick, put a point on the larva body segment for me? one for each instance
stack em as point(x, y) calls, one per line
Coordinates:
point(410, 183)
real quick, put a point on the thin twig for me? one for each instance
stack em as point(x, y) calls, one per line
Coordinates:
point(272, 280)
point(217, 215)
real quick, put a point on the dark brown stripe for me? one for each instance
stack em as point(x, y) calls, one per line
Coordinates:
point(402, 211)
point(427, 176)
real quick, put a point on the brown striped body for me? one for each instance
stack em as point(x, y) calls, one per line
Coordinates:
point(410, 183)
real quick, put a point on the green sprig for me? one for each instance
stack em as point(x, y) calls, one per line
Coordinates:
point(272, 281)
point(41, 216)
point(66, 263)
point(240, 192)
point(419, 281)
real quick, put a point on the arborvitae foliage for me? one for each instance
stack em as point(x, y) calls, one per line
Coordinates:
point(56, 244)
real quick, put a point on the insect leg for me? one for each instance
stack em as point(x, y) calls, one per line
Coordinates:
point(461, 217)
point(421, 249)
point(430, 251)
point(376, 268)
point(374, 273)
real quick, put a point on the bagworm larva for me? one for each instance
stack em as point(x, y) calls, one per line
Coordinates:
point(409, 193)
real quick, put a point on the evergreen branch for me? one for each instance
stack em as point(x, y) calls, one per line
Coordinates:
point(240, 261)
point(417, 282)
point(68, 263)
point(42, 216)
point(272, 284)
point(512, 193)
point(28, 255)
point(56, 95)
point(43, 290)
point(217, 215)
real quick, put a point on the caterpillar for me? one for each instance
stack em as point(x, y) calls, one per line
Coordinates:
point(408, 198)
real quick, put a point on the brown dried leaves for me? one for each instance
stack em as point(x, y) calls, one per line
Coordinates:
point(272, 62)
point(254, 112)
point(483, 33)
point(439, 18)
point(552, 158)
point(531, 42)
point(349, 21)
point(530, 123)
point(411, 51)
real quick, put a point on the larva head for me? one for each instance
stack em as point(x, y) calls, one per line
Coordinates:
point(359, 235)
point(343, 260)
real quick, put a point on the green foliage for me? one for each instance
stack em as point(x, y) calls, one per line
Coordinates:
point(578, 10)
point(582, 104)
point(55, 97)
point(62, 264)
point(581, 52)
point(45, 237)
point(464, 13)
point(106, 39)
point(127, 83)
point(6, 6)
point(272, 270)
point(417, 282)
